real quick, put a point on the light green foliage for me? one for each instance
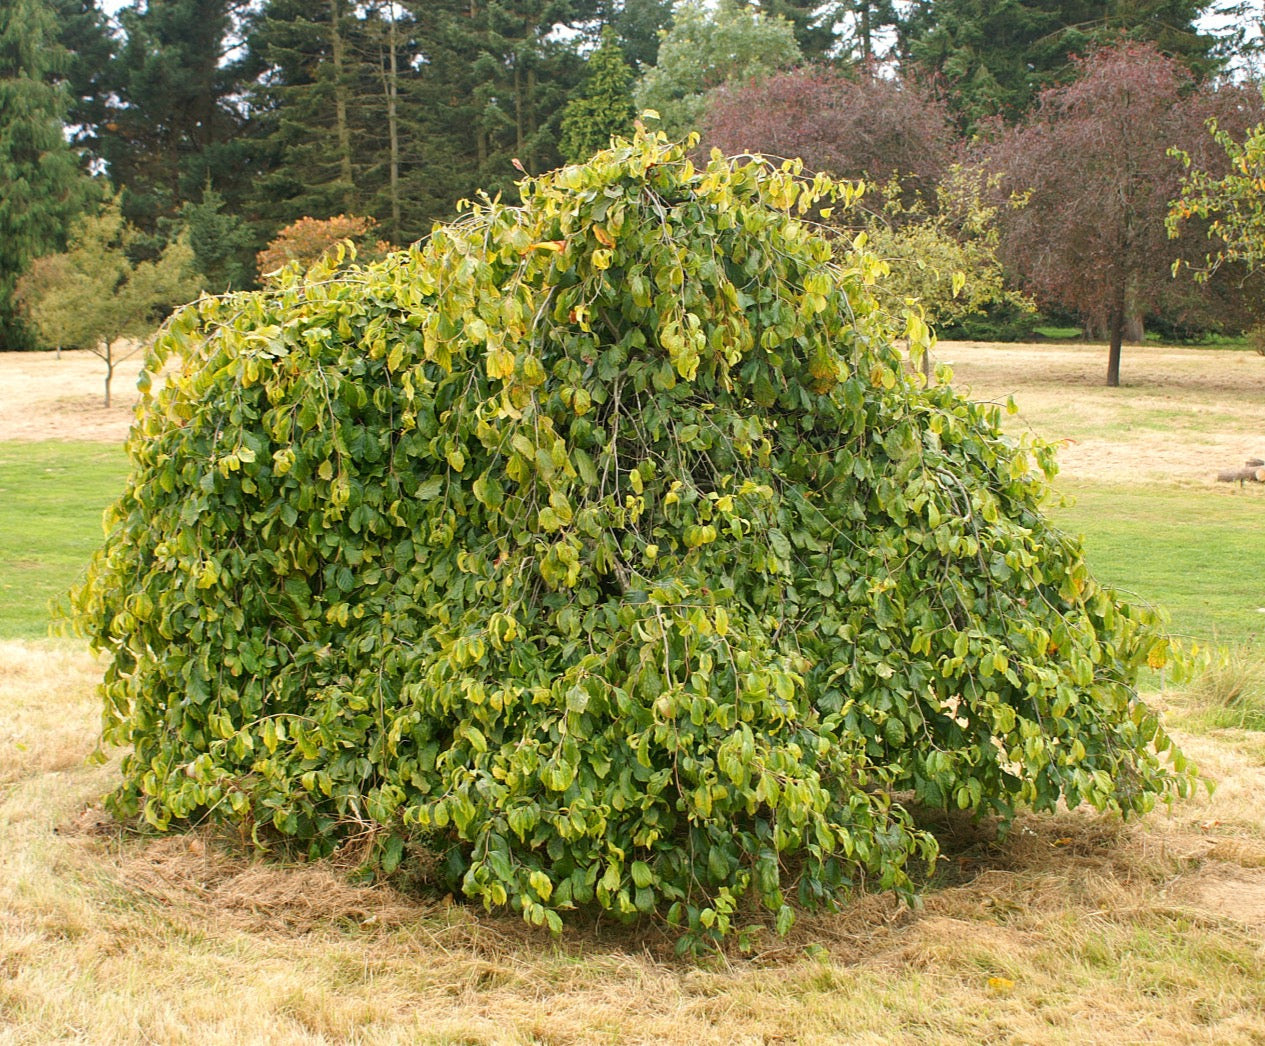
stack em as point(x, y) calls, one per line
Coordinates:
point(706, 48)
point(604, 106)
point(1234, 205)
point(94, 295)
point(601, 545)
point(943, 258)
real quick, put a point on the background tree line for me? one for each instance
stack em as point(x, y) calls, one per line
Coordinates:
point(219, 123)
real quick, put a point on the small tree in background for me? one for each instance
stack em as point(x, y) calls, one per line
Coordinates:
point(222, 243)
point(307, 241)
point(850, 126)
point(943, 257)
point(95, 297)
point(1093, 161)
point(706, 48)
point(604, 106)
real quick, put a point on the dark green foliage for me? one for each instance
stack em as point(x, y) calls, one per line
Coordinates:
point(639, 23)
point(83, 30)
point(995, 58)
point(604, 546)
point(41, 188)
point(604, 106)
point(813, 22)
point(175, 122)
point(223, 244)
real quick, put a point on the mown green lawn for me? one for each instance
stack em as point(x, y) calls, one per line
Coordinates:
point(1198, 552)
point(52, 497)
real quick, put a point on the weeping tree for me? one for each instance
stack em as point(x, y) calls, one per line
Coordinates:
point(601, 551)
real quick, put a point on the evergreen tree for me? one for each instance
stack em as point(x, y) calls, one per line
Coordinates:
point(604, 106)
point(639, 23)
point(42, 187)
point(342, 116)
point(175, 121)
point(996, 55)
point(223, 243)
point(525, 72)
point(813, 23)
point(302, 109)
point(83, 30)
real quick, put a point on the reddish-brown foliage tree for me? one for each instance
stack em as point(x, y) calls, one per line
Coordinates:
point(850, 126)
point(307, 241)
point(1094, 160)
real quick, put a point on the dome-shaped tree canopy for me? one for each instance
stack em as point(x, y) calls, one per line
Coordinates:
point(602, 545)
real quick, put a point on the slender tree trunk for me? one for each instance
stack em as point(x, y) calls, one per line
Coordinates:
point(1134, 318)
point(393, 127)
point(518, 109)
point(109, 370)
point(342, 129)
point(867, 42)
point(1134, 328)
point(529, 160)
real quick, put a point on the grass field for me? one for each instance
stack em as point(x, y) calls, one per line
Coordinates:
point(1198, 554)
point(1072, 929)
point(52, 496)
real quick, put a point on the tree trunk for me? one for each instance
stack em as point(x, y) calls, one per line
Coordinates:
point(342, 129)
point(530, 101)
point(109, 370)
point(867, 42)
point(518, 110)
point(1134, 325)
point(1134, 328)
point(1116, 334)
point(393, 128)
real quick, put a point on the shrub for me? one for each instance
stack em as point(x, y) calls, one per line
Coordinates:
point(309, 240)
point(601, 545)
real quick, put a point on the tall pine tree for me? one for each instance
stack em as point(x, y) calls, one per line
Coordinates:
point(176, 121)
point(83, 30)
point(304, 109)
point(604, 106)
point(995, 56)
point(42, 188)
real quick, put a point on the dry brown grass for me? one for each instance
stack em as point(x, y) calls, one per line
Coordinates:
point(1181, 415)
point(1073, 929)
point(46, 397)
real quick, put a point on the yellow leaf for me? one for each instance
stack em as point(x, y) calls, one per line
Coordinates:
point(500, 363)
point(1001, 984)
point(548, 245)
point(603, 237)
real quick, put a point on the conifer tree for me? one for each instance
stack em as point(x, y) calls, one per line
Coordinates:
point(604, 106)
point(639, 24)
point(83, 29)
point(175, 122)
point(996, 57)
point(42, 186)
